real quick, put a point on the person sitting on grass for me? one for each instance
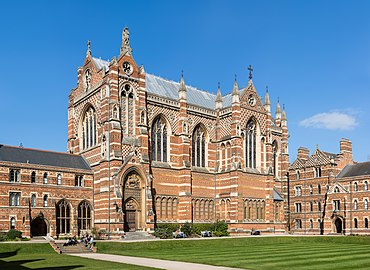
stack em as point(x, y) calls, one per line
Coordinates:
point(91, 242)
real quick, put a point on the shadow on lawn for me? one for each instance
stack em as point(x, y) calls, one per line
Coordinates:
point(4, 265)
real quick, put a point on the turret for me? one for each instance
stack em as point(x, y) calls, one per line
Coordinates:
point(278, 114)
point(267, 104)
point(235, 93)
point(218, 98)
point(284, 120)
point(182, 88)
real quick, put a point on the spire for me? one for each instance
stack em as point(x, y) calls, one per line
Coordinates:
point(283, 114)
point(284, 119)
point(267, 104)
point(125, 46)
point(218, 98)
point(236, 87)
point(88, 52)
point(182, 87)
point(235, 92)
point(278, 110)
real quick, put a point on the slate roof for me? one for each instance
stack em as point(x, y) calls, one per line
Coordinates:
point(100, 63)
point(358, 169)
point(277, 196)
point(297, 164)
point(169, 89)
point(318, 158)
point(40, 157)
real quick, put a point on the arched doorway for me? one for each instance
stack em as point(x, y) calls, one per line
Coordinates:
point(338, 225)
point(133, 198)
point(131, 215)
point(39, 226)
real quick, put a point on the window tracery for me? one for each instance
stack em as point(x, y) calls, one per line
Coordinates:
point(250, 144)
point(159, 140)
point(127, 108)
point(199, 147)
point(89, 130)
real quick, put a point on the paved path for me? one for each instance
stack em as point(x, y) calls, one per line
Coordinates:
point(161, 264)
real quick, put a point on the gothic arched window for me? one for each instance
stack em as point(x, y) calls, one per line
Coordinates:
point(127, 109)
point(250, 144)
point(275, 157)
point(84, 216)
point(45, 178)
point(63, 217)
point(159, 140)
point(45, 200)
point(12, 223)
point(33, 177)
point(89, 131)
point(198, 151)
point(366, 204)
point(33, 200)
point(59, 179)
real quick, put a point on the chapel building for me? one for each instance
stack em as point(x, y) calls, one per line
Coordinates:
point(166, 152)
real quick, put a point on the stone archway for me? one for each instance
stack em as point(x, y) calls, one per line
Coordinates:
point(338, 225)
point(39, 226)
point(133, 202)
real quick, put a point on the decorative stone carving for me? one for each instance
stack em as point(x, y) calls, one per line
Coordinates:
point(125, 47)
point(87, 79)
point(132, 181)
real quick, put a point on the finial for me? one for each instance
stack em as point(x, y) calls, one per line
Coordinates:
point(267, 88)
point(317, 147)
point(182, 83)
point(250, 72)
point(235, 78)
point(219, 97)
point(88, 48)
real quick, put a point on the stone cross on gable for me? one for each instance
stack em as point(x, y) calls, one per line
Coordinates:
point(250, 71)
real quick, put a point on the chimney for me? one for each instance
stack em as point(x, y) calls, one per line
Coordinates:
point(345, 146)
point(303, 153)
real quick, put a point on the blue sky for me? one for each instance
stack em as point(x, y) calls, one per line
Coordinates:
point(313, 55)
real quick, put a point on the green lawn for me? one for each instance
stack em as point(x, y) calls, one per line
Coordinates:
point(42, 256)
point(256, 252)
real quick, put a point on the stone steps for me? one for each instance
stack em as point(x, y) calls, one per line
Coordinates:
point(79, 248)
point(129, 236)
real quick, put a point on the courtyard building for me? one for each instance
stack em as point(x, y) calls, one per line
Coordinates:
point(329, 193)
point(45, 193)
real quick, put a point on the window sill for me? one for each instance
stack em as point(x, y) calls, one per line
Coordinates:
point(161, 164)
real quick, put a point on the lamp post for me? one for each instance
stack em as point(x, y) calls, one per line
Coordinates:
point(109, 162)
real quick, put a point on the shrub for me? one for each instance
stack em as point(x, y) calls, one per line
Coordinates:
point(13, 234)
point(163, 233)
point(199, 227)
point(187, 229)
point(173, 227)
point(220, 228)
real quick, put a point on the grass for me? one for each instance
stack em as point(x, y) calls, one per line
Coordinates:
point(351, 252)
point(41, 256)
